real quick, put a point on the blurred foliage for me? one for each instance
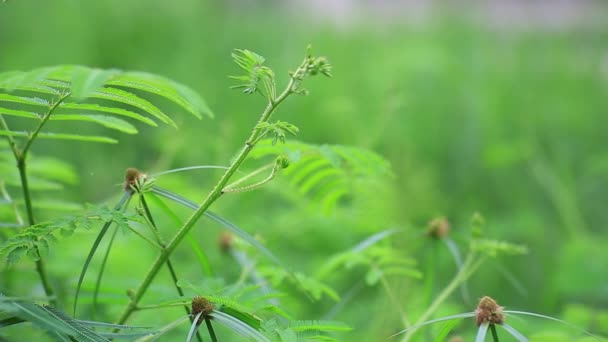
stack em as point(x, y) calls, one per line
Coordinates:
point(472, 117)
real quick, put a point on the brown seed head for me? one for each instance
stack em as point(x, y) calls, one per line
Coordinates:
point(226, 241)
point(489, 311)
point(438, 228)
point(201, 305)
point(131, 176)
point(456, 339)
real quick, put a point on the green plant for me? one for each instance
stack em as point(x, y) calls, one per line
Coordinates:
point(78, 93)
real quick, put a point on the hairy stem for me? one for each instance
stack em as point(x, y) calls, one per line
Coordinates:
point(211, 197)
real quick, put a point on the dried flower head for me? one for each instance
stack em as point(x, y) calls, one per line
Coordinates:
point(226, 241)
point(132, 176)
point(201, 305)
point(489, 311)
point(438, 228)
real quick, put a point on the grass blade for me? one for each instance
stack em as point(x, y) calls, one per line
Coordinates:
point(101, 271)
point(202, 258)
point(188, 168)
point(518, 336)
point(119, 206)
point(514, 312)
point(238, 326)
point(482, 331)
point(442, 319)
point(225, 223)
point(464, 288)
point(193, 327)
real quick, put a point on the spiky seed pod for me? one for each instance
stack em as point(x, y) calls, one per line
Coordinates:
point(132, 175)
point(489, 311)
point(201, 305)
point(438, 228)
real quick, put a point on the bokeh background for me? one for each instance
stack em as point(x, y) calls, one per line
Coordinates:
point(496, 107)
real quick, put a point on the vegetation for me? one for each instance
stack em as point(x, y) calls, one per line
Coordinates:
point(398, 192)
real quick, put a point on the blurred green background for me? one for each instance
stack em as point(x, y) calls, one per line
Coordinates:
point(496, 107)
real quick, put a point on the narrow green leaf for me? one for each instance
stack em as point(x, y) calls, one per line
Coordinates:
point(119, 206)
point(432, 321)
point(21, 113)
point(24, 80)
point(238, 326)
point(518, 336)
point(62, 136)
point(102, 269)
point(86, 80)
point(33, 101)
point(154, 84)
point(193, 327)
point(121, 96)
point(103, 120)
point(202, 258)
point(445, 331)
point(482, 331)
point(225, 223)
point(112, 110)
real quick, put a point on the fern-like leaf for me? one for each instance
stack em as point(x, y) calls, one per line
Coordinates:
point(180, 95)
point(326, 173)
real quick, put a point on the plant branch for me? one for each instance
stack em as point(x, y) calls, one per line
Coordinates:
point(41, 124)
point(21, 157)
point(213, 195)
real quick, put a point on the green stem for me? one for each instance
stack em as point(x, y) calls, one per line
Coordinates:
point(469, 266)
point(396, 302)
point(42, 122)
point(11, 140)
point(253, 186)
point(211, 331)
point(494, 333)
point(252, 174)
point(21, 157)
point(160, 241)
point(211, 197)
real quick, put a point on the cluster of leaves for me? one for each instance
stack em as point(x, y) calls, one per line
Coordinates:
point(35, 240)
point(379, 261)
point(59, 325)
point(79, 93)
point(326, 173)
point(253, 65)
point(302, 330)
point(279, 129)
